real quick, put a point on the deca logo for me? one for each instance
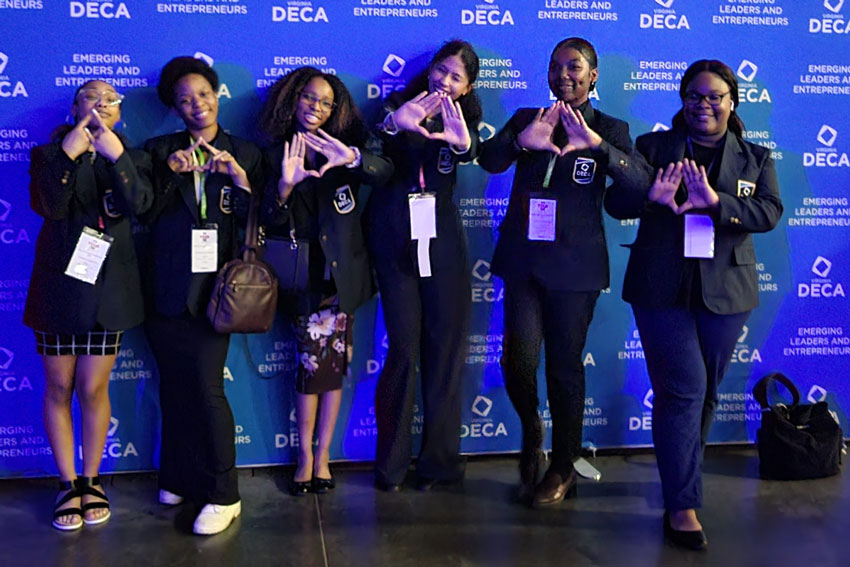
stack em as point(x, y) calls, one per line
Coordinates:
point(816, 394)
point(297, 14)
point(749, 91)
point(827, 155)
point(743, 336)
point(393, 65)
point(827, 135)
point(9, 89)
point(664, 18)
point(5, 209)
point(113, 426)
point(482, 406)
point(488, 14)
point(204, 57)
point(648, 398)
point(659, 127)
point(99, 9)
point(830, 22)
point(481, 270)
point(485, 131)
point(6, 358)
point(821, 287)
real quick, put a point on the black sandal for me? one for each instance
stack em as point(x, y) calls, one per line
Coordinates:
point(72, 492)
point(85, 486)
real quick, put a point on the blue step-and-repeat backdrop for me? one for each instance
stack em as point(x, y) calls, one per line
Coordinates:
point(792, 59)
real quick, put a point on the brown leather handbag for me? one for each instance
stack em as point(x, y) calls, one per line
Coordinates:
point(244, 299)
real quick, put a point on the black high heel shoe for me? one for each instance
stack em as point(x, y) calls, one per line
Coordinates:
point(323, 485)
point(693, 540)
point(300, 488)
point(72, 492)
point(85, 486)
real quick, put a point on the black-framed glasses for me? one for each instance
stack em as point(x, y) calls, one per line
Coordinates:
point(109, 98)
point(694, 98)
point(311, 99)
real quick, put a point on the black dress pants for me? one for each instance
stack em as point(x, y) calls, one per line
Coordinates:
point(198, 451)
point(560, 319)
point(427, 321)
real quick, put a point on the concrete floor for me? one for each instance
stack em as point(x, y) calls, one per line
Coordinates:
point(749, 522)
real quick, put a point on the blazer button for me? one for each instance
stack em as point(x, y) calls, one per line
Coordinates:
point(624, 163)
point(324, 238)
point(334, 264)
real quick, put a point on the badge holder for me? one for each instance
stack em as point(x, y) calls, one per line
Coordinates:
point(423, 223)
point(204, 236)
point(699, 236)
point(89, 255)
point(543, 210)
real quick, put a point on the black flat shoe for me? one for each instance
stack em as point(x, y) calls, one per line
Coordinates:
point(323, 485)
point(693, 540)
point(297, 488)
point(387, 486)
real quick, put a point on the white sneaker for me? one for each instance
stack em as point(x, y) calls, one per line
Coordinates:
point(215, 518)
point(169, 498)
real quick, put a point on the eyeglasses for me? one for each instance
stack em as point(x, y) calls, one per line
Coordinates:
point(109, 98)
point(311, 99)
point(694, 99)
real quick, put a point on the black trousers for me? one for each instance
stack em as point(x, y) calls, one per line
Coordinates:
point(427, 321)
point(688, 351)
point(560, 319)
point(198, 451)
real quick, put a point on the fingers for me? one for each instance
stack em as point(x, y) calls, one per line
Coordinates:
point(83, 122)
point(89, 135)
point(419, 97)
point(432, 102)
point(315, 143)
point(196, 145)
point(98, 120)
point(551, 114)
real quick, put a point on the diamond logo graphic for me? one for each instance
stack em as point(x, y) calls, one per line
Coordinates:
point(5, 209)
point(6, 358)
point(393, 65)
point(821, 266)
point(485, 131)
point(659, 127)
point(482, 406)
point(204, 57)
point(664, 3)
point(3, 60)
point(747, 70)
point(816, 394)
point(481, 270)
point(833, 6)
point(744, 332)
point(292, 417)
point(827, 135)
point(648, 398)
point(113, 426)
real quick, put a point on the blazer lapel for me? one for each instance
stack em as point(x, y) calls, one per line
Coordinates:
point(731, 165)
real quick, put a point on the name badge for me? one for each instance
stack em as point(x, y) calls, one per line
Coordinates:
point(205, 249)
point(344, 200)
point(699, 236)
point(225, 200)
point(423, 227)
point(445, 161)
point(542, 217)
point(584, 170)
point(89, 255)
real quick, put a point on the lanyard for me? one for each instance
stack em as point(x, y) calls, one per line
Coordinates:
point(551, 167)
point(693, 157)
point(201, 181)
point(421, 179)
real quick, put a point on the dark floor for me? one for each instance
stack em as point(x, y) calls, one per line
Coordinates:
point(749, 522)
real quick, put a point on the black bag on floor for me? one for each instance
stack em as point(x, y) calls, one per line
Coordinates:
point(799, 441)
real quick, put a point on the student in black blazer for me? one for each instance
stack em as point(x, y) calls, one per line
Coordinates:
point(690, 300)
point(553, 272)
point(424, 282)
point(316, 167)
point(202, 180)
point(85, 179)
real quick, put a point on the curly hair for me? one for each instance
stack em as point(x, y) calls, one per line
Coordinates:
point(178, 68)
point(469, 103)
point(727, 75)
point(277, 119)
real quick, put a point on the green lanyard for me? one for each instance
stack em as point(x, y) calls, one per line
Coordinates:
point(548, 179)
point(201, 159)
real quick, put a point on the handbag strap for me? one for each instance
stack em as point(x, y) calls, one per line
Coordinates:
point(760, 389)
point(249, 251)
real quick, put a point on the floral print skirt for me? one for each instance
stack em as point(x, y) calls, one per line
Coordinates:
point(324, 339)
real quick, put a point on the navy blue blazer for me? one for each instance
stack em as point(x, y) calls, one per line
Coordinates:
point(578, 259)
point(314, 203)
point(71, 194)
point(173, 287)
point(657, 264)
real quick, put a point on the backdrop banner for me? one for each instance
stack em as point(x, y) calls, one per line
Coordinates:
point(793, 67)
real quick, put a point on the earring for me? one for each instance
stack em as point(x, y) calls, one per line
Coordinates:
point(69, 119)
point(732, 106)
point(119, 126)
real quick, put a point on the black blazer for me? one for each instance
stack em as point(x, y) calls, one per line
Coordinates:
point(656, 263)
point(312, 205)
point(388, 214)
point(578, 259)
point(172, 285)
point(71, 194)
